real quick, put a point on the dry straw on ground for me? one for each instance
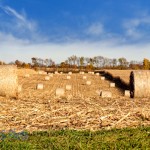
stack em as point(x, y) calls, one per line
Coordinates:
point(82, 108)
point(8, 81)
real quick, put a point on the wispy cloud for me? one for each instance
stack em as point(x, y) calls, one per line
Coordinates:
point(95, 29)
point(20, 18)
point(19, 25)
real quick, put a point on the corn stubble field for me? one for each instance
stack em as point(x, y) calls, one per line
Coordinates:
point(80, 108)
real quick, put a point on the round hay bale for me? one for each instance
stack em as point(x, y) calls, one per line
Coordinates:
point(56, 72)
point(26, 75)
point(68, 77)
point(68, 87)
point(61, 72)
point(106, 94)
point(60, 92)
point(92, 72)
point(40, 86)
point(127, 93)
point(84, 77)
point(112, 85)
point(140, 84)
point(88, 82)
point(8, 81)
point(102, 78)
point(47, 78)
point(97, 74)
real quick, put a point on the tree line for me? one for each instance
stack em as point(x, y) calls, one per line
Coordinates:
point(97, 62)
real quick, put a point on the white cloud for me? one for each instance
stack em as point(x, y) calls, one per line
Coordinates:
point(132, 27)
point(95, 29)
point(12, 48)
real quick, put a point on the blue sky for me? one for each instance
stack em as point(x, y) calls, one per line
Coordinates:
point(58, 29)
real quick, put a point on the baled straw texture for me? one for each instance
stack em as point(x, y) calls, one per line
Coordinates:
point(140, 83)
point(8, 81)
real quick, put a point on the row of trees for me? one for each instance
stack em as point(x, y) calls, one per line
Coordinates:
point(39, 62)
point(88, 62)
point(101, 62)
point(96, 62)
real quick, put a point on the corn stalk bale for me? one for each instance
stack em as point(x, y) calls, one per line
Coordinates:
point(88, 82)
point(127, 93)
point(19, 88)
point(56, 72)
point(81, 72)
point(40, 72)
point(69, 73)
point(102, 78)
point(84, 77)
point(26, 75)
point(140, 83)
point(47, 78)
point(112, 85)
point(98, 92)
point(68, 87)
point(106, 94)
point(39, 86)
point(8, 81)
point(51, 75)
point(60, 92)
point(68, 77)
point(44, 73)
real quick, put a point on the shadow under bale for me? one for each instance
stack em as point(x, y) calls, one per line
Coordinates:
point(122, 85)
